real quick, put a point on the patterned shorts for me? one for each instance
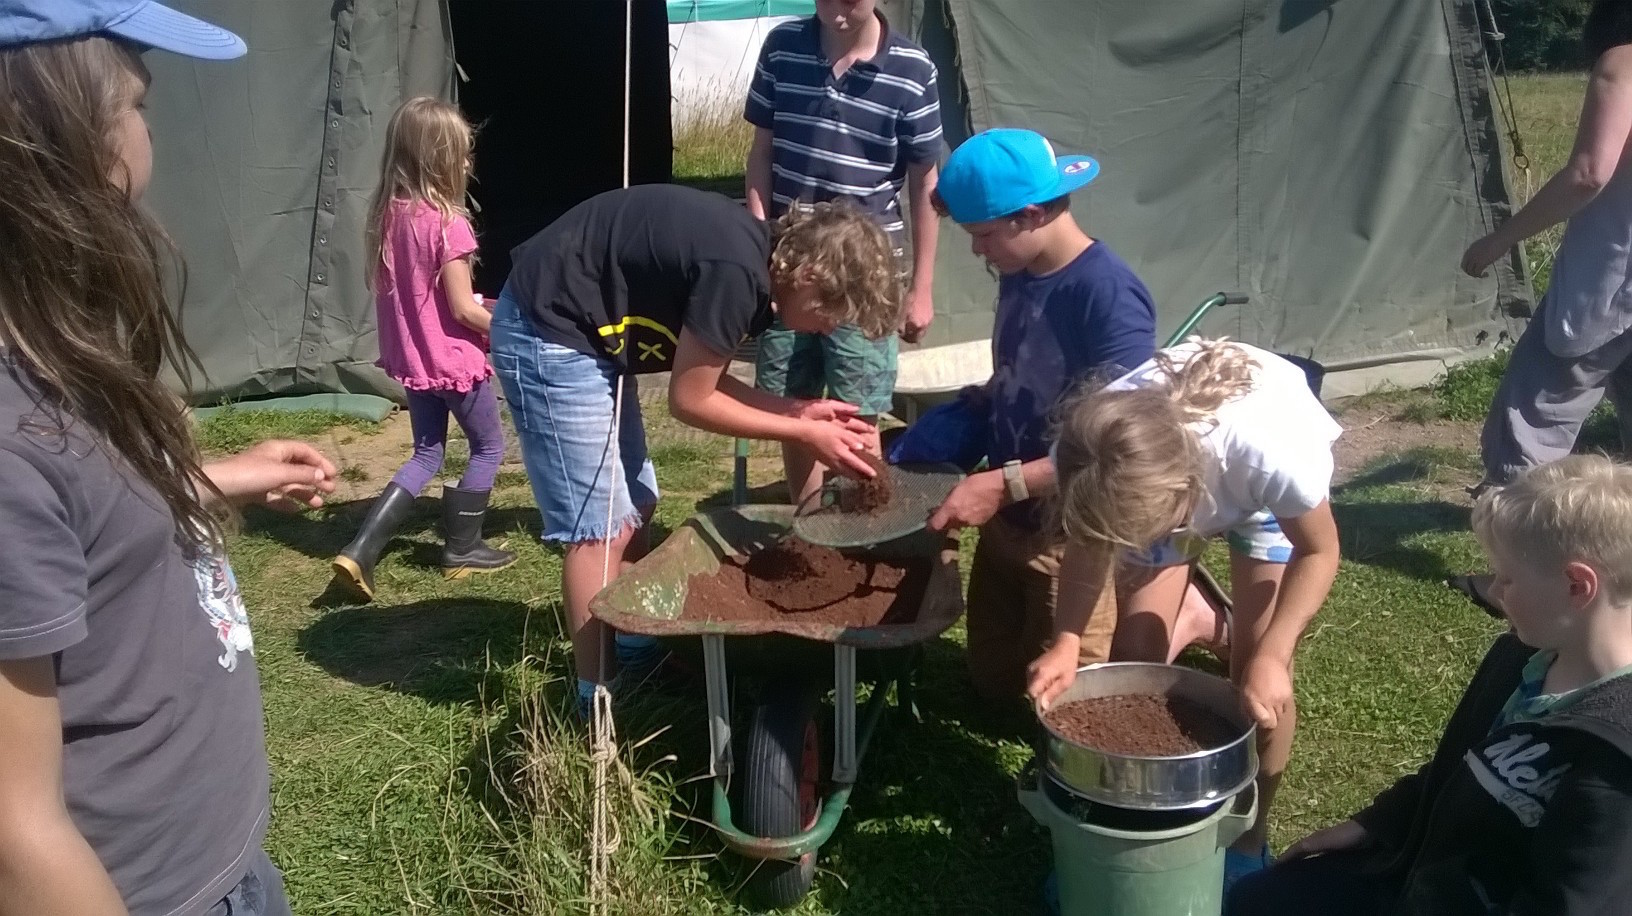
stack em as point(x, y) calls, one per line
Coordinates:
point(1259, 537)
point(844, 365)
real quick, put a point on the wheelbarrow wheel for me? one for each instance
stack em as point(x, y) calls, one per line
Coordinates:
point(782, 777)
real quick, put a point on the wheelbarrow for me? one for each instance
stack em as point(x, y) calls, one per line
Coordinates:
point(787, 808)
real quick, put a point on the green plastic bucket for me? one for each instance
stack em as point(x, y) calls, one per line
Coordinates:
point(1109, 872)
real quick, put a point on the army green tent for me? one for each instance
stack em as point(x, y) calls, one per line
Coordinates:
point(1329, 158)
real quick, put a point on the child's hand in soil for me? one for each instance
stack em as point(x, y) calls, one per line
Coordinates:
point(1336, 838)
point(836, 442)
point(1053, 671)
point(971, 503)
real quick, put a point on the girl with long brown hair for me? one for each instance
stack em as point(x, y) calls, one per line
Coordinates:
point(133, 775)
point(433, 339)
point(1208, 438)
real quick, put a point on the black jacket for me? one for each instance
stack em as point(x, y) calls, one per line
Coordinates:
point(1533, 819)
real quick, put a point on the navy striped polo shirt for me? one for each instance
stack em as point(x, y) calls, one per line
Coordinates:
point(851, 136)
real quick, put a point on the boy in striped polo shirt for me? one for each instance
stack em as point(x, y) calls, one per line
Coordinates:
point(844, 107)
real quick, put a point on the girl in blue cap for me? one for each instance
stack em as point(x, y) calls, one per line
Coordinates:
point(133, 768)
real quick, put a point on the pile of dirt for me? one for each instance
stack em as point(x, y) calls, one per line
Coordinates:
point(1141, 725)
point(816, 584)
point(871, 495)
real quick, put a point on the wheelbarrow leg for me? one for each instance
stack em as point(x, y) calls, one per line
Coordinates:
point(719, 707)
point(906, 688)
point(844, 714)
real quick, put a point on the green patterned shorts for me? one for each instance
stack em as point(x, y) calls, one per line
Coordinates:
point(844, 365)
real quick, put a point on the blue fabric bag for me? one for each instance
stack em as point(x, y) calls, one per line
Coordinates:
point(953, 433)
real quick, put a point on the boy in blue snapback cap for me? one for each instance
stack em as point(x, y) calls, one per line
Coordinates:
point(1068, 310)
point(133, 767)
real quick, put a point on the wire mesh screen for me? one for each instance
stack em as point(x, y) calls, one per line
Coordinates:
point(854, 513)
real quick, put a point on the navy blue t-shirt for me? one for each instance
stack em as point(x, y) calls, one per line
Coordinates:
point(1091, 318)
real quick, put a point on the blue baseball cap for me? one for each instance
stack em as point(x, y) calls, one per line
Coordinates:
point(141, 21)
point(1002, 171)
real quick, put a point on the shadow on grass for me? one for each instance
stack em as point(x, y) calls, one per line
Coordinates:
point(1383, 511)
point(446, 651)
point(770, 494)
point(1378, 534)
point(321, 536)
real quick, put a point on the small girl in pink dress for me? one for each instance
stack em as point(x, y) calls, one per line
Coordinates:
point(433, 339)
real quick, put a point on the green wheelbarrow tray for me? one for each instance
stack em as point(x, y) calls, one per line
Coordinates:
point(649, 597)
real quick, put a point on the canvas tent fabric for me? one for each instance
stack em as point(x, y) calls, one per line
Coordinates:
point(1330, 158)
point(264, 167)
point(263, 170)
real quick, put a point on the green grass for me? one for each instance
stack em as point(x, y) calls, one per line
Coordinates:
point(423, 761)
point(711, 146)
point(233, 428)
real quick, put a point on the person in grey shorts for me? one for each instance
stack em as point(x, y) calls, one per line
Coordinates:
point(1577, 345)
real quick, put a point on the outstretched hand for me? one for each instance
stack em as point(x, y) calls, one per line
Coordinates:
point(278, 473)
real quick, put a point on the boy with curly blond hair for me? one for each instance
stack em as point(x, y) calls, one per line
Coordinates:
point(665, 278)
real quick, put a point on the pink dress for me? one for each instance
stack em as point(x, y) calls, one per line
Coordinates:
point(421, 344)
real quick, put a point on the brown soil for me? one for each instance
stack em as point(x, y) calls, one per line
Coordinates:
point(1141, 725)
point(818, 584)
point(870, 495)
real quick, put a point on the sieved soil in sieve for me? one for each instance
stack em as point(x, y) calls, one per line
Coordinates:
point(815, 584)
point(1141, 725)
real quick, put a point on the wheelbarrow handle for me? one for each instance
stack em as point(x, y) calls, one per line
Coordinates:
point(1195, 316)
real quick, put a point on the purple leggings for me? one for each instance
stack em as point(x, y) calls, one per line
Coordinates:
point(477, 413)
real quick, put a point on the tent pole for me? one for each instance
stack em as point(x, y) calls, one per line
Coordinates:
point(628, 67)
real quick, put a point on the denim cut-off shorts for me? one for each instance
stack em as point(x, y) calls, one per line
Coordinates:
point(1259, 537)
point(562, 403)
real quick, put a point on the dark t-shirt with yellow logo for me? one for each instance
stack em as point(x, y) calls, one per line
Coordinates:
point(619, 275)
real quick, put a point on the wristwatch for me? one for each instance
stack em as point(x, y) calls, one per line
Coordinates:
point(1015, 481)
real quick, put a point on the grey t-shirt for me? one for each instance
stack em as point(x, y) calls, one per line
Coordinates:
point(164, 753)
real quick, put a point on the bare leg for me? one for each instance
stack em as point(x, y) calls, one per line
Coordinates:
point(804, 472)
point(1200, 622)
point(581, 571)
point(1147, 610)
point(1254, 586)
point(641, 544)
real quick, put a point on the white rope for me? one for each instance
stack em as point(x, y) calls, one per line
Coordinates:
point(603, 840)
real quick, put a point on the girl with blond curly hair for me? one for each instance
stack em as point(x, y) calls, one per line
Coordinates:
point(1207, 438)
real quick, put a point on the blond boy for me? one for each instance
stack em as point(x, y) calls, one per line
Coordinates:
point(1526, 806)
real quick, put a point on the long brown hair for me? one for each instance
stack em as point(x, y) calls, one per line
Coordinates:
point(83, 307)
point(1129, 462)
point(427, 158)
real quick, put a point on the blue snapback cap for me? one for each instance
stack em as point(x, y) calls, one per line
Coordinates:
point(1002, 171)
point(141, 21)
